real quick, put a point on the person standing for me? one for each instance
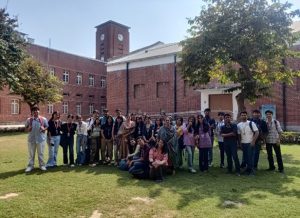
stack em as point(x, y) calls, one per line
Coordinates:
point(107, 140)
point(247, 133)
point(263, 131)
point(229, 134)
point(212, 125)
point(95, 142)
point(81, 140)
point(36, 126)
point(90, 123)
point(54, 130)
point(189, 142)
point(273, 142)
point(67, 140)
point(219, 125)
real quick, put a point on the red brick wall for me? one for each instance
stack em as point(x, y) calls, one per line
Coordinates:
point(72, 63)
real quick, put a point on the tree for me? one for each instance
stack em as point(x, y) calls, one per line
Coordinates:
point(241, 41)
point(11, 49)
point(36, 85)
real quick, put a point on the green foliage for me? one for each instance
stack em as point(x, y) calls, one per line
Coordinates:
point(242, 42)
point(11, 49)
point(36, 85)
point(290, 138)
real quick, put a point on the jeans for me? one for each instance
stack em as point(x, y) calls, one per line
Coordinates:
point(140, 169)
point(32, 147)
point(222, 152)
point(106, 149)
point(190, 152)
point(248, 156)
point(210, 151)
point(203, 159)
point(53, 149)
point(68, 145)
point(81, 141)
point(95, 143)
point(256, 154)
point(231, 153)
point(278, 156)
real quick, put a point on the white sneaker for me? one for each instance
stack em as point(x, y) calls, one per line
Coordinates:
point(43, 168)
point(28, 169)
point(193, 171)
point(72, 165)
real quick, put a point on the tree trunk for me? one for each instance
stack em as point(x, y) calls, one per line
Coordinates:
point(240, 98)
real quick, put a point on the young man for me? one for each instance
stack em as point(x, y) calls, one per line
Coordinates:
point(212, 125)
point(219, 125)
point(273, 141)
point(36, 126)
point(247, 137)
point(263, 131)
point(90, 123)
point(81, 140)
point(229, 134)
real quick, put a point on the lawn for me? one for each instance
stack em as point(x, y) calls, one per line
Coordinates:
point(107, 192)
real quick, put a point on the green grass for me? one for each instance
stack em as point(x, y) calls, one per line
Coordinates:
point(77, 192)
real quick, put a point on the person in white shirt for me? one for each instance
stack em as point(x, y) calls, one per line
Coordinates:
point(81, 140)
point(247, 133)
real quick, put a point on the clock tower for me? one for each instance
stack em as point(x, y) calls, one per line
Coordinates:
point(112, 40)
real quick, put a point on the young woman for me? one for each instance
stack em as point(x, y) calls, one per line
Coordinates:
point(125, 131)
point(95, 141)
point(179, 131)
point(148, 133)
point(202, 131)
point(54, 137)
point(157, 124)
point(158, 158)
point(67, 140)
point(116, 139)
point(107, 140)
point(189, 142)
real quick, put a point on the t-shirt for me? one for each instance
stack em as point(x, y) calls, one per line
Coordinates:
point(107, 130)
point(245, 131)
point(229, 128)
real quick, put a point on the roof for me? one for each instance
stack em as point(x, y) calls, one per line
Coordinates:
point(112, 22)
point(155, 50)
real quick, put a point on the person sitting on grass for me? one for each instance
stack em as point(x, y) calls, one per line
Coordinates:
point(125, 164)
point(158, 158)
point(140, 167)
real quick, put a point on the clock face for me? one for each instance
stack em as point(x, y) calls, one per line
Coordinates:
point(102, 37)
point(120, 37)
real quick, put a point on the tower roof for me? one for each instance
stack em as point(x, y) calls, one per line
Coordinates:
point(112, 22)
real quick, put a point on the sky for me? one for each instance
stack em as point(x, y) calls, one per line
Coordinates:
point(68, 25)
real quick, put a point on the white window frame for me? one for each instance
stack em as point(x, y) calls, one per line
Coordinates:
point(52, 71)
point(15, 106)
point(66, 76)
point(91, 80)
point(65, 107)
point(103, 82)
point(91, 108)
point(50, 108)
point(78, 108)
point(79, 78)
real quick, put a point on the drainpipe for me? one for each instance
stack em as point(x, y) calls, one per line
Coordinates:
point(175, 84)
point(284, 105)
point(127, 87)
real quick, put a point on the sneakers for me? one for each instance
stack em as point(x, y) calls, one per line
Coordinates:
point(28, 169)
point(72, 165)
point(193, 171)
point(43, 168)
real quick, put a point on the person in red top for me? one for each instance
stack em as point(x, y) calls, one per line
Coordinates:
point(158, 159)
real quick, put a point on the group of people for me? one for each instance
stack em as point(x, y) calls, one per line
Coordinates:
point(151, 149)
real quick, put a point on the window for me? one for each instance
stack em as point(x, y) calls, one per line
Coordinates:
point(15, 106)
point(66, 77)
point(139, 91)
point(103, 82)
point(91, 108)
point(78, 108)
point(162, 89)
point(79, 95)
point(52, 71)
point(65, 108)
point(79, 79)
point(91, 80)
point(50, 108)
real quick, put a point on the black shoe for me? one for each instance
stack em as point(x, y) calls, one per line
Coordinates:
point(281, 171)
point(221, 165)
point(270, 169)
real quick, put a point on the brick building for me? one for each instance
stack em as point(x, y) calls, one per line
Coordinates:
point(84, 78)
